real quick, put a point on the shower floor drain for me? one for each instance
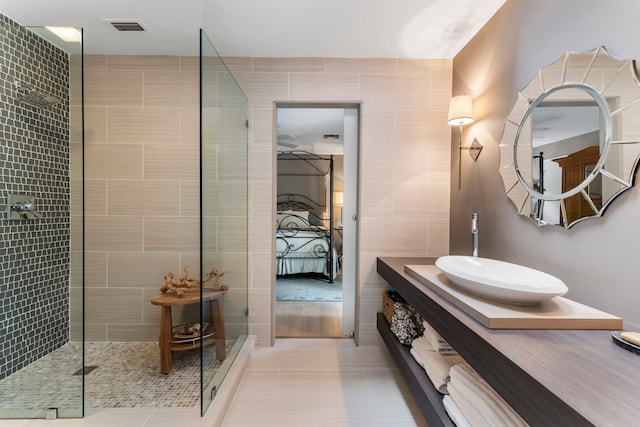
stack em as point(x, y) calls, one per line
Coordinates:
point(86, 370)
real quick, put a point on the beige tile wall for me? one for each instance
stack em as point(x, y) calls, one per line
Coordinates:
point(141, 165)
point(141, 189)
point(405, 162)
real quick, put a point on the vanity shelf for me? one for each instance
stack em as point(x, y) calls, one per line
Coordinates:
point(426, 396)
point(550, 377)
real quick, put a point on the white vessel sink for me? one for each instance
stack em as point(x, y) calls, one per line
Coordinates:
point(499, 280)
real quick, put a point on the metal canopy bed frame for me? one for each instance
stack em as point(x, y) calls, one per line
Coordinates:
point(304, 223)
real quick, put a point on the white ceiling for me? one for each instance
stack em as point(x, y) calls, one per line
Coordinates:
point(304, 129)
point(555, 124)
point(269, 28)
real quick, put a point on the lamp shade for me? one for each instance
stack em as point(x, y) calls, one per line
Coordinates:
point(338, 198)
point(460, 110)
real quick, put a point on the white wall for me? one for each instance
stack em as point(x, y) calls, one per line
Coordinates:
point(598, 258)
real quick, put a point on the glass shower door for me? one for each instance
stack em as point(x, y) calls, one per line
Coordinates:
point(224, 212)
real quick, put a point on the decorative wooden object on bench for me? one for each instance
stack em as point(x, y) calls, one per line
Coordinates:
point(186, 282)
point(166, 301)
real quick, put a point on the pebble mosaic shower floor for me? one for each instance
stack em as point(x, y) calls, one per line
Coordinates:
point(127, 375)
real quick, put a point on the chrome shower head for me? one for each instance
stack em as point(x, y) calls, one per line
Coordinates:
point(30, 96)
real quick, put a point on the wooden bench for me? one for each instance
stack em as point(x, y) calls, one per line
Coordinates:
point(168, 300)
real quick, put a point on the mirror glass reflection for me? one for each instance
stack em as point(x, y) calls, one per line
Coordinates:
point(570, 143)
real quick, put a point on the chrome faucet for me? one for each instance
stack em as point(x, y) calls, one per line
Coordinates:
point(474, 231)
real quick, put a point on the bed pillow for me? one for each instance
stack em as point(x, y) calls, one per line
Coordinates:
point(301, 214)
point(293, 219)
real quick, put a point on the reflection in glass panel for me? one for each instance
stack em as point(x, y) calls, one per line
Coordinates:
point(224, 210)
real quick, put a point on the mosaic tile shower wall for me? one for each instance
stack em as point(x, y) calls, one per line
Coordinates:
point(34, 160)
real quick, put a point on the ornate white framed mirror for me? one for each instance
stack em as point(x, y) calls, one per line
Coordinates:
point(571, 143)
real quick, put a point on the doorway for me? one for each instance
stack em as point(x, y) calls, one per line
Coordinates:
point(316, 220)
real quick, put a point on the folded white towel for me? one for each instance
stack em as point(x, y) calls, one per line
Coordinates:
point(467, 406)
point(423, 344)
point(468, 383)
point(474, 378)
point(439, 383)
point(454, 412)
point(435, 365)
point(438, 343)
point(417, 357)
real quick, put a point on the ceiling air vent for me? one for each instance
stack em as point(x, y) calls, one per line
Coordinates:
point(126, 24)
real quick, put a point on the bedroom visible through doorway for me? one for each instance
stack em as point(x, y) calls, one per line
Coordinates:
point(315, 241)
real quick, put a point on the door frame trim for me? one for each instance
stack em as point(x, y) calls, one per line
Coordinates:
point(274, 179)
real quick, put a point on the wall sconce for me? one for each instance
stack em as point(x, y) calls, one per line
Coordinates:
point(460, 114)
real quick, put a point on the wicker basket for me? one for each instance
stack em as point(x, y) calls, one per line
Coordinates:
point(387, 306)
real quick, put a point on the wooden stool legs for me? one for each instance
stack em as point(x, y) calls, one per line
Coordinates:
point(166, 325)
point(218, 328)
point(166, 357)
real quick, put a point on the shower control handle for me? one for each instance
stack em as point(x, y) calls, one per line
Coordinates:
point(21, 206)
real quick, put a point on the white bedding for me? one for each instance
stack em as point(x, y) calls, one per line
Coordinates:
point(304, 251)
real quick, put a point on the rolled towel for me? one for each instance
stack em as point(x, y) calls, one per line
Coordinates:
point(436, 365)
point(438, 343)
point(406, 323)
point(454, 412)
point(467, 382)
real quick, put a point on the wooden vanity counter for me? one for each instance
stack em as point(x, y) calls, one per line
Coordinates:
point(550, 377)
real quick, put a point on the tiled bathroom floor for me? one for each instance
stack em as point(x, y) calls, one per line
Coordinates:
point(126, 375)
point(322, 382)
point(156, 416)
point(298, 382)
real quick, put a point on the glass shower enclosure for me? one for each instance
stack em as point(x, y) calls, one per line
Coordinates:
point(42, 247)
point(41, 224)
point(223, 215)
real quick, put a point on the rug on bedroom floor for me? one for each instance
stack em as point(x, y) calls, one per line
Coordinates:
point(301, 288)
